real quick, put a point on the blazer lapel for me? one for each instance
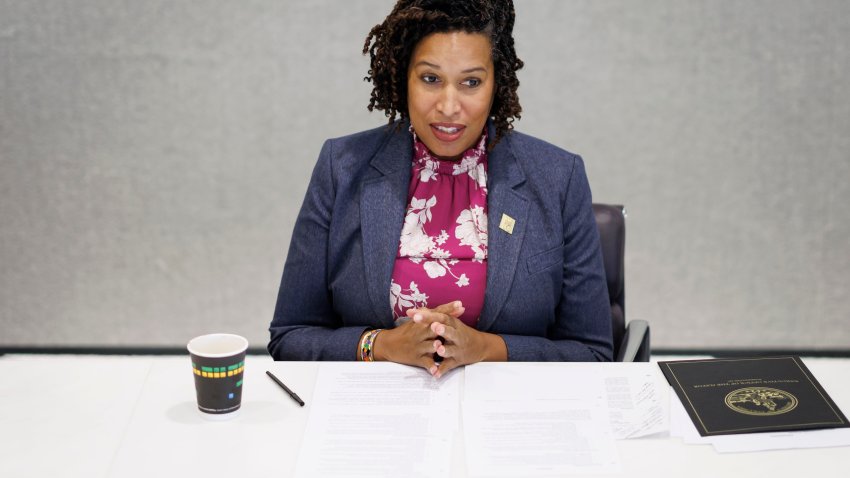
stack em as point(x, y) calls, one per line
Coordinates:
point(504, 175)
point(382, 207)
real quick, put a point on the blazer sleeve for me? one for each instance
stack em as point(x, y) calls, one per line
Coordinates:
point(305, 325)
point(582, 328)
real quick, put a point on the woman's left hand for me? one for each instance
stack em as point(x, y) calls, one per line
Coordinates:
point(461, 344)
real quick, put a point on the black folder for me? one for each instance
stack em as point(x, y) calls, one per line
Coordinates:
point(746, 395)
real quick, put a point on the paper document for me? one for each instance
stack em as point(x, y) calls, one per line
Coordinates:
point(543, 418)
point(635, 396)
point(409, 415)
point(637, 403)
point(546, 437)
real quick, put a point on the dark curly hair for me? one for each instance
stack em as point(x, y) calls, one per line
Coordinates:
point(390, 46)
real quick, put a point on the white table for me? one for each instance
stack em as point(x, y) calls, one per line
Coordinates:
point(114, 416)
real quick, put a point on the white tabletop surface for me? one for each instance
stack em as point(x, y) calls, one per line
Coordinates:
point(117, 416)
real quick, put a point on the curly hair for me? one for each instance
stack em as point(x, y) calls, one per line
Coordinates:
point(390, 46)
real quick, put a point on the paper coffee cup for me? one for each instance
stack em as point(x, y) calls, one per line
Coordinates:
point(218, 363)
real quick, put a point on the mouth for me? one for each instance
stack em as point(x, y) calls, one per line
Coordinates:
point(447, 132)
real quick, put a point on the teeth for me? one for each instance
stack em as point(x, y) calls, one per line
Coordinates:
point(445, 129)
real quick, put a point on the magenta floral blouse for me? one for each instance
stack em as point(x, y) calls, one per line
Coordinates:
point(442, 252)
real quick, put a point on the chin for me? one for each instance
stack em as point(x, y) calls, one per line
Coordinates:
point(448, 152)
point(448, 155)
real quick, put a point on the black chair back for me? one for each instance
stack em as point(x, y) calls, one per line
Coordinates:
point(610, 219)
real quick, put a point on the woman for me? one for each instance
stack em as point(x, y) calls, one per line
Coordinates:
point(445, 238)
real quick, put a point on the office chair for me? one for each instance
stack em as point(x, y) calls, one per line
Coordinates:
point(631, 343)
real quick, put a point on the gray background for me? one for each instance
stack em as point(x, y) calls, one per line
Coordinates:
point(155, 154)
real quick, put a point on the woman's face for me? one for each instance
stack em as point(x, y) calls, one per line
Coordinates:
point(450, 84)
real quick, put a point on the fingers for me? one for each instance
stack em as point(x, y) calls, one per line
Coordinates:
point(453, 309)
point(458, 343)
point(440, 322)
point(417, 330)
point(449, 308)
point(439, 347)
point(451, 332)
point(409, 343)
point(427, 317)
point(421, 355)
point(444, 367)
point(451, 351)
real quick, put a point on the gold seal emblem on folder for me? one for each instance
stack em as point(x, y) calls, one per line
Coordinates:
point(507, 224)
point(761, 401)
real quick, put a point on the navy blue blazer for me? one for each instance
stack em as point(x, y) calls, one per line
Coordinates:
point(546, 293)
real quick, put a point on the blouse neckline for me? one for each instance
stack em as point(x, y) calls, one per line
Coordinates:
point(469, 160)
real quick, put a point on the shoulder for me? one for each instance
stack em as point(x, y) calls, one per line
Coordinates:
point(352, 157)
point(361, 144)
point(535, 155)
point(363, 156)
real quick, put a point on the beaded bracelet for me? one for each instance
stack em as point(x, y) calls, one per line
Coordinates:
point(360, 344)
point(366, 344)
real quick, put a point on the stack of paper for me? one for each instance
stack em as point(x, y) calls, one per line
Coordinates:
point(682, 426)
point(380, 420)
point(513, 426)
point(527, 420)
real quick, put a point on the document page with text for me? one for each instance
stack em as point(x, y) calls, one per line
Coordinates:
point(536, 420)
point(409, 416)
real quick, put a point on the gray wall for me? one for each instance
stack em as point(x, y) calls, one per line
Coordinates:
point(154, 155)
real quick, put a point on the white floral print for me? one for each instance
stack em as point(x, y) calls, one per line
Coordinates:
point(443, 245)
point(429, 172)
point(414, 242)
point(472, 231)
point(403, 299)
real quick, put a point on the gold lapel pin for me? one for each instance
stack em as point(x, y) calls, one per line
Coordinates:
point(507, 224)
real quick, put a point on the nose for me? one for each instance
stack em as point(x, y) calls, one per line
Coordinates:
point(449, 102)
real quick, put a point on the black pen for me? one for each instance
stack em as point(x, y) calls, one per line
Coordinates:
point(286, 389)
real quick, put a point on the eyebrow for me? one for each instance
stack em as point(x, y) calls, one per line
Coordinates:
point(437, 67)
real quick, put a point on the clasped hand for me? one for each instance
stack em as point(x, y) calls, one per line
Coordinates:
point(439, 331)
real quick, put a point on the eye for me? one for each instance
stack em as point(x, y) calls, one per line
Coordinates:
point(429, 78)
point(472, 82)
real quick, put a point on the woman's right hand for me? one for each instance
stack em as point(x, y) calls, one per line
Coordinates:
point(411, 343)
